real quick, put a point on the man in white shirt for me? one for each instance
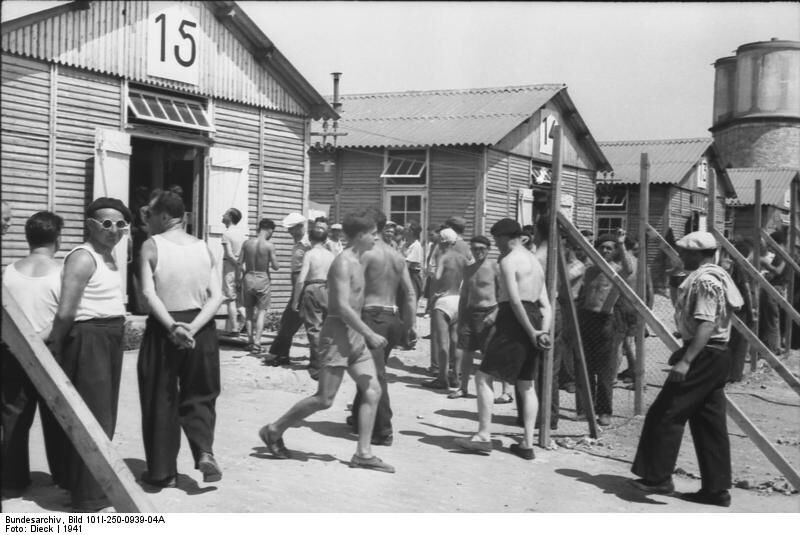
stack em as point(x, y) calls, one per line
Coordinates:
point(232, 240)
point(35, 284)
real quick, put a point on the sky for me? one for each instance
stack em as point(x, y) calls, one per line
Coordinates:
point(634, 71)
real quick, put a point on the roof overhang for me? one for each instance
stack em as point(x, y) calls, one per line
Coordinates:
point(572, 117)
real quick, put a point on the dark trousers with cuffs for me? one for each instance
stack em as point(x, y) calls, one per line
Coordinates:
point(291, 321)
point(700, 400)
point(178, 389)
point(91, 358)
point(19, 399)
point(387, 324)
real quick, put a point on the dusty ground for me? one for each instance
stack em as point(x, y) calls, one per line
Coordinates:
point(584, 476)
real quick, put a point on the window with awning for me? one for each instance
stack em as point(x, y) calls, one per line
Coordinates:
point(169, 110)
point(405, 169)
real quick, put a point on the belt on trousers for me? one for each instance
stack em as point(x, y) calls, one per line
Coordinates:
point(314, 281)
point(481, 309)
point(385, 308)
point(256, 273)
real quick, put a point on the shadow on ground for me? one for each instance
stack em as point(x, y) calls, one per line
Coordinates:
point(44, 493)
point(186, 483)
point(619, 486)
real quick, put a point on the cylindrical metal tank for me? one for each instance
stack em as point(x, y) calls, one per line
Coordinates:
point(756, 117)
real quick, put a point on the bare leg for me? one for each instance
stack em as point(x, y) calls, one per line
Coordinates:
point(329, 381)
point(441, 341)
point(483, 386)
point(250, 338)
point(467, 359)
point(259, 326)
point(366, 377)
point(530, 404)
point(630, 354)
point(230, 324)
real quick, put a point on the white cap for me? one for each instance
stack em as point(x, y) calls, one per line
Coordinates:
point(697, 241)
point(293, 219)
point(448, 235)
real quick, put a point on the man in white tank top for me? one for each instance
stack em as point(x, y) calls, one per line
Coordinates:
point(34, 283)
point(178, 367)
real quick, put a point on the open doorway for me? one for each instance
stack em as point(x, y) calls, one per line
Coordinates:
point(160, 164)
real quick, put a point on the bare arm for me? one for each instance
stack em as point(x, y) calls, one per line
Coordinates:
point(301, 279)
point(407, 287)
point(213, 303)
point(78, 269)
point(273, 258)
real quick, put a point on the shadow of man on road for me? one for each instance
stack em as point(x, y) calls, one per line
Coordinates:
point(610, 484)
point(185, 482)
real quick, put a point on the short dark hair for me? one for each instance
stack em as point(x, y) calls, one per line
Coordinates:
point(266, 224)
point(456, 223)
point(108, 202)
point(379, 217)
point(506, 227)
point(359, 221)
point(415, 229)
point(43, 228)
point(604, 238)
point(317, 235)
point(481, 239)
point(320, 219)
point(168, 202)
point(235, 214)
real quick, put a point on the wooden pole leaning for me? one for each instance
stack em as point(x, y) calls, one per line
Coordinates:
point(69, 409)
point(663, 244)
point(791, 249)
point(641, 282)
point(777, 365)
point(570, 314)
point(780, 251)
point(757, 265)
point(551, 278)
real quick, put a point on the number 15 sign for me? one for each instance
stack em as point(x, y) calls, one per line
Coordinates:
point(173, 44)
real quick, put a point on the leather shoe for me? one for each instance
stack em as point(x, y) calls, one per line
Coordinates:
point(386, 440)
point(209, 467)
point(169, 482)
point(650, 487)
point(720, 499)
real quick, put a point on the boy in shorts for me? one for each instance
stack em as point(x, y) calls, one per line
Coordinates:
point(344, 344)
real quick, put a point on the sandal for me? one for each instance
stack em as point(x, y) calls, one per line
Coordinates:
point(276, 447)
point(503, 398)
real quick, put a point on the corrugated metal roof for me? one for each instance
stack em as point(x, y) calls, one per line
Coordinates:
point(439, 117)
point(774, 185)
point(670, 159)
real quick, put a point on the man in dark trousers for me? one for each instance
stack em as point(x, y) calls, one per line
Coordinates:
point(694, 389)
point(295, 224)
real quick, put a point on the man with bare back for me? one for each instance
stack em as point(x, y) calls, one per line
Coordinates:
point(521, 333)
point(444, 317)
point(344, 343)
point(256, 258)
point(386, 278)
point(310, 295)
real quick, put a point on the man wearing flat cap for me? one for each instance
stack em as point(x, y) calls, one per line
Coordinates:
point(694, 389)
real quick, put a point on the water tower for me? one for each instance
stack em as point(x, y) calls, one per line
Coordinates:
point(756, 119)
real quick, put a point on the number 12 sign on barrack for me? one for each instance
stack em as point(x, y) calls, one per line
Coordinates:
point(173, 41)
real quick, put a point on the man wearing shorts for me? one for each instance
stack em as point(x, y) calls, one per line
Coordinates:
point(257, 256)
point(478, 310)
point(310, 295)
point(344, 345)
point(444, 318)
point(522, 325)
point(232, 240)
point(387, 282)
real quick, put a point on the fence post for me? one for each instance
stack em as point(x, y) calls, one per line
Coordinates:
point(757, 264)
point(791, 248)
point(641, 281)
point(551, 278)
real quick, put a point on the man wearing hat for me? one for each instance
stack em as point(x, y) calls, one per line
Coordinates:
point(295, 224)
point(334, 243)
point(458, 224)
point(694, 389)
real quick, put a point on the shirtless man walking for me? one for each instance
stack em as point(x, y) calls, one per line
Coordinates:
point(444, 317)
point(257, 257)
point(310, 295)
point(344, 343)
point(477, 310)
point(386, 279)
point(523, 321)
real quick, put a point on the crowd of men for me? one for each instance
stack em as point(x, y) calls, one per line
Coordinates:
point(355, 288)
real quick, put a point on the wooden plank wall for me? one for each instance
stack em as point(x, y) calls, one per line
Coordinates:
point(85, 102)
point(452, 180)
point(24, 143)
point(361, 179)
